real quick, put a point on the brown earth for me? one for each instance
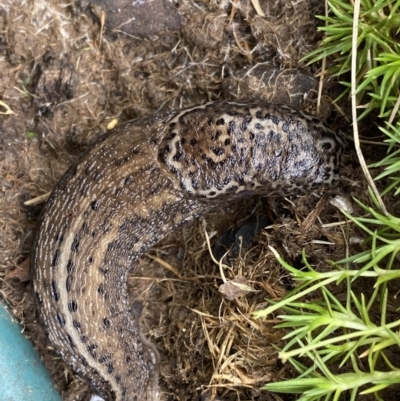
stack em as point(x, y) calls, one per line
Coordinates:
point(66, 80)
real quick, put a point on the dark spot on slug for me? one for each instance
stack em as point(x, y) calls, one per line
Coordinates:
point(258, 126)
point(231, 127)
point(70, 266)
point(60, 238)
point(220, 121)
point(251, 136)
point(95, 205)
point(106, 322)
point(216, 135)
point(76, 324)
point(180, 155)
point(103, 358)
point(273, 136)
point(60, 319)
point(83, 361)
point(91, 349)
point(244, 125)
point(227, 142)
point(218, 151)
point(70, 341)
point(72, 306)
point(56, 258)
point(275, 119)
point(90, 260)
point(75, 244)
point(193, 141)
point(68, 283)
point(110, 368)
point(54, 292)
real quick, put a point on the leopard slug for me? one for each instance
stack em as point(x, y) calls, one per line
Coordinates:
point(136, 185)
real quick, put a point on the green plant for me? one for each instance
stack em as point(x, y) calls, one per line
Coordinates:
point(378, 49)
point(331, 334)
point(391, 162)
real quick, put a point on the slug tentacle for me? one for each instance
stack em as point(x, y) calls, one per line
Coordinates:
point(134, 187)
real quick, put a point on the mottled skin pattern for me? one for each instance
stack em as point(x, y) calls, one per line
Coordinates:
point(131, 189)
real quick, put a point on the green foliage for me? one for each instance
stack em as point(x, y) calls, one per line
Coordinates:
point(378, 49)
point(329, 332)
point(391, 162)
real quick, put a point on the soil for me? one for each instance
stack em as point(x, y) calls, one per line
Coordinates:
point(70, 70)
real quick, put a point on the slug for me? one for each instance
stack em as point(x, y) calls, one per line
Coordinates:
point(136, 185)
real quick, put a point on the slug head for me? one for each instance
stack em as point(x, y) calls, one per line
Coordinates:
point(231, 150)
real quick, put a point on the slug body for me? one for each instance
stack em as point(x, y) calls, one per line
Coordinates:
point(136, 185)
